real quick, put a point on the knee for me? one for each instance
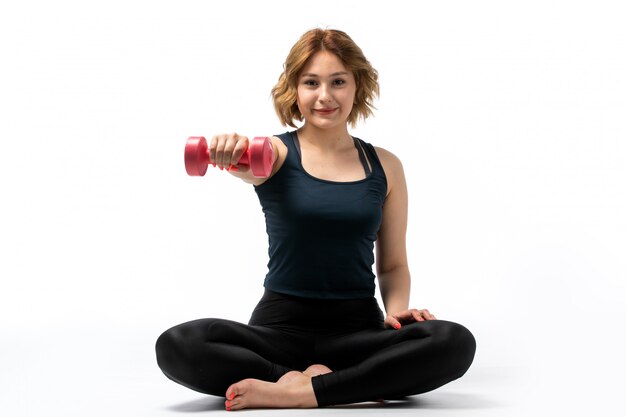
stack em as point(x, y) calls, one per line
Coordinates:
point(176, 346)
point(168, 349)
point(460, 345)
point(180, 346)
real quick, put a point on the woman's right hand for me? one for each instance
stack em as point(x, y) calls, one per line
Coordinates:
point(226, 150)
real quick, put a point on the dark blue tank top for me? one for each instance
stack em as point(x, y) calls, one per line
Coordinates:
point(321, 233)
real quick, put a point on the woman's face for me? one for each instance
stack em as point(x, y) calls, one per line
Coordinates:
point(326, 91)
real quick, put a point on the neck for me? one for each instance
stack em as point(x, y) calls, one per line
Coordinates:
point(327, 139)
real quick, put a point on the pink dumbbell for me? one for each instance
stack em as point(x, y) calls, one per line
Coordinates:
point(259, 156)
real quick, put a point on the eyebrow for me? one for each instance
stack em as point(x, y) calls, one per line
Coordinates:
point(334, 74)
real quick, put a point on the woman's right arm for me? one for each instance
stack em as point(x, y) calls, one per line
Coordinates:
point(227, 149)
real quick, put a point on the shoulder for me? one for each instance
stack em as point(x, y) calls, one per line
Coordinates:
point(392, 166)
point(388, 158)
point(393, 170)
point(279, 144)
point(280, 154)
point(280, 147)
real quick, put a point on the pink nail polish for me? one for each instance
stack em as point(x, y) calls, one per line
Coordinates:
point(396, 326)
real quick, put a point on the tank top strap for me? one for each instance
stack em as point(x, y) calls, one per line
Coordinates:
point(372, 156)
point(362, 157)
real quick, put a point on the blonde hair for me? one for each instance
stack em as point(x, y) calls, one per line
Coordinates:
point(285, 92)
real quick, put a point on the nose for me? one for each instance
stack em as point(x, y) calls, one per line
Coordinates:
point(324, 94)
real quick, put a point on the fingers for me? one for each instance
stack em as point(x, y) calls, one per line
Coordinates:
point(226, 149)
point(427, 315)
point(407, 316)
point(392, 322)
point(417, 316)
point(422, 315)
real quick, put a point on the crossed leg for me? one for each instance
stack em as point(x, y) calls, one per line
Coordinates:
point(209, 355)
point(256, 367)
point(389, 364)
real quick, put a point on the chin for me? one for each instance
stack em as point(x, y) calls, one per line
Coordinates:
point(327, 123)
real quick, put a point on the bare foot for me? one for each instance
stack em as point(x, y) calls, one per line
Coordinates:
point(315, 370)
point(293, 390)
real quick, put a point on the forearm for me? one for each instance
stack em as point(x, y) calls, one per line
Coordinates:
point(247, 177)
point(395, 289)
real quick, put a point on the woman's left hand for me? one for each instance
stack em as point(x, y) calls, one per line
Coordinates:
point(396, 320)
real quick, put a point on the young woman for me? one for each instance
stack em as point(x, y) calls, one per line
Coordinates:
point(318, 337)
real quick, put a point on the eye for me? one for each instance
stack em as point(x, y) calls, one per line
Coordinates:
point(310, 83)
point(339, 82)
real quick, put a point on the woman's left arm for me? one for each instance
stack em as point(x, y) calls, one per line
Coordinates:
point(391, 258)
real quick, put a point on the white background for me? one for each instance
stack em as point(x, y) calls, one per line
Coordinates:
point(509, 119)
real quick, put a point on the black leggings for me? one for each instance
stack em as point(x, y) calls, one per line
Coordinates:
point(285, 333)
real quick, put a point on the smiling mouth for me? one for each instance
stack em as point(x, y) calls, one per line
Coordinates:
point(324, 111)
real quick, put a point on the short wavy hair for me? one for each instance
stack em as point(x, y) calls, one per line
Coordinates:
point(285, 94)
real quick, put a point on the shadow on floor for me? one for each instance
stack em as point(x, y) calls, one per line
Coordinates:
point(432, 401)
point(199, 405)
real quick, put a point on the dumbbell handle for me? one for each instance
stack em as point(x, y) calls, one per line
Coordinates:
point(259, 156)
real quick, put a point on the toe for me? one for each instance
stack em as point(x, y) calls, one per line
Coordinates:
point(231, 392)
point(237, 404)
